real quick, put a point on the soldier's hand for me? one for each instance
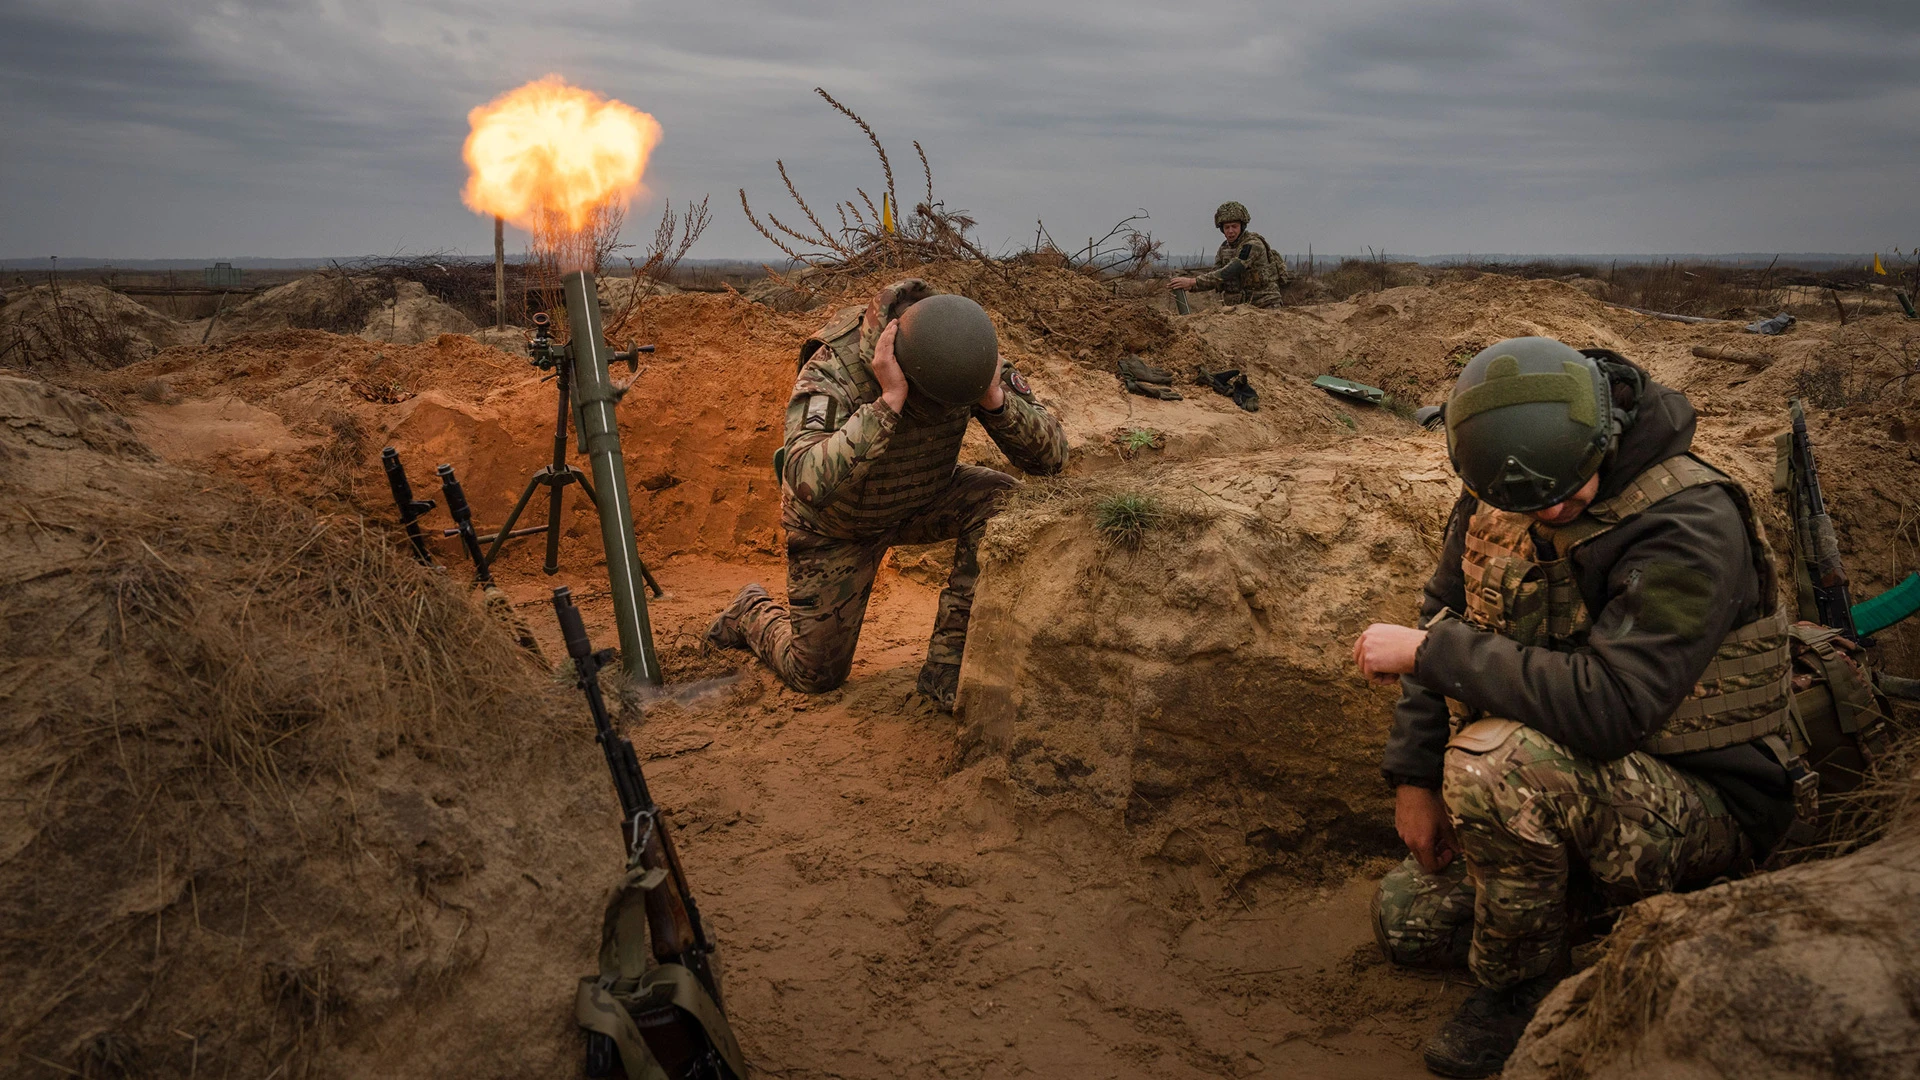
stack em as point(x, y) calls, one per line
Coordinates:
point(893, 381)
point(996, 393)
point(1385, 652)
point(1176, 284)
point(1420, 815)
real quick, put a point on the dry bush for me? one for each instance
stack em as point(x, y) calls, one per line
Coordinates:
point(673, 237)
point(68, 335)
point(871, 237)
point(1377, 273)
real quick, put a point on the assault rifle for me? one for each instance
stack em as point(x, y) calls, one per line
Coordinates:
point(1820, 578)
point(1816, 548)
point(411, 509)
point(672, 1004)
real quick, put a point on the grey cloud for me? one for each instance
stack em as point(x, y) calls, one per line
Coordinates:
point(300, 128)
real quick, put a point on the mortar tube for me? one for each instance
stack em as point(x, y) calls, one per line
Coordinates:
point(594, 402)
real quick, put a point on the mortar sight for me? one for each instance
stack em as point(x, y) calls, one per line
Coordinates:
point(541, 351)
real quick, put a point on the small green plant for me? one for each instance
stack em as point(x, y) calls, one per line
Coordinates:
point(1124, 519)
point(1460, 354)
point(1135, 440)
point(1348, 420)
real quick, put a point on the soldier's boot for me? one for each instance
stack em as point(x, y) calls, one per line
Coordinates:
point(725, 632)
point(1477, 1041)
point(939, 683)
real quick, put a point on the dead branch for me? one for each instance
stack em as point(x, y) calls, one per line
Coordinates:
point(886, 166)
point(775, 241)
point(825, 237)
point(925, 168)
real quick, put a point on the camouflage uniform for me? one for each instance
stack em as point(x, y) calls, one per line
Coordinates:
point(1246, 271)
point(1609, 703)
point(858, 478)
point(1528, 810)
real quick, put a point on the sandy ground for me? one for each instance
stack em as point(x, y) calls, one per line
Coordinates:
point(881, 916)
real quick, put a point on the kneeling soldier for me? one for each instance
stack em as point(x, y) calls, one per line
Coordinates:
point(1599, 688)
point(872, 460)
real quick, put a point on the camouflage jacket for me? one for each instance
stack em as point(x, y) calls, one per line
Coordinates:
point(1246, 271)
point(855, 468)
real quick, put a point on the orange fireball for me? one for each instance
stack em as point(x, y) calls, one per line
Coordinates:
point(549, 153)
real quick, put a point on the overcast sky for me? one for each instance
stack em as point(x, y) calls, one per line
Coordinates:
point(186, 128)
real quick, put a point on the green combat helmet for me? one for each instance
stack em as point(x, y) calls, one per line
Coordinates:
point(1529, 423)
point(1231, 211)
point(947, 349)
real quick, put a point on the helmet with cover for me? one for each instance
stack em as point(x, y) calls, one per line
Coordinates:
point(1231, 211)
point(947, 348)
point(1529, 423)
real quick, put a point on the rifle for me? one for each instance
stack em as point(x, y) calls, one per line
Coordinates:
point(499, 605)
point(1819, 549)
point(411, 509)
point(689, 1037)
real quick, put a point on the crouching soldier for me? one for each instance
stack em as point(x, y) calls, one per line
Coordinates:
point(872, 460)
point(1246, 270)
point(1598, 691)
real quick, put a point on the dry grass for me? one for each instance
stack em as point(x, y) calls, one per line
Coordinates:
point(220, 676)
point(69, 334)
point(1126, 512)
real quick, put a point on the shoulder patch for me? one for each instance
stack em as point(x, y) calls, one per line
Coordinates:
point(1675, 599)
point(819, 414)
point(1019, 383)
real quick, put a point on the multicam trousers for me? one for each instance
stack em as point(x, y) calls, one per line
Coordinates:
point(810, 642)
point(1524, 807)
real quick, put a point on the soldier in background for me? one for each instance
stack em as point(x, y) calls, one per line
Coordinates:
point(872, 460)
point(1245, 269)
point(1597, 695)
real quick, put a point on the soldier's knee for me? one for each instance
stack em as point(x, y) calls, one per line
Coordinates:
point(818, 682)
point(1477, 774)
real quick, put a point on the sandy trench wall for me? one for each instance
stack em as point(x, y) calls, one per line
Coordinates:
point(1200, 685)
point(304, 409)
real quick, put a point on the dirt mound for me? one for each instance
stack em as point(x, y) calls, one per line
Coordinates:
point(412, 316)
point(341, 303)
point(1806, 972)
point(394, 311)
point(269, 782)
point(56, 329)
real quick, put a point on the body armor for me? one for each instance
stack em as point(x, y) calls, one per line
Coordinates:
point(1520, 584)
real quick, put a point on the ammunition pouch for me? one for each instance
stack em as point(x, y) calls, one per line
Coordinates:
point(1840, 719)
point(660, 1018)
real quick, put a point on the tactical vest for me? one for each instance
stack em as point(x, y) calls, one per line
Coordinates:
point(921, 454)
point(1512, 590)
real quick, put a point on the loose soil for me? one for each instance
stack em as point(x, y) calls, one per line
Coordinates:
point(1144, 848)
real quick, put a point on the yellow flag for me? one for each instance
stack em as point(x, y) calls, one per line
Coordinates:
point(1877, 268)
point(886, 218)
